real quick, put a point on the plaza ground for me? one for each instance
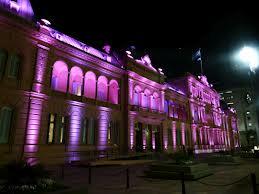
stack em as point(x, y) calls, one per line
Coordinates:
point(112, 180)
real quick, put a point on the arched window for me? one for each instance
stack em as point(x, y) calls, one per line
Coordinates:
point(59, 76)
point(76, 81)
point(5, 124)
point(166, 107)
point(154, 101)
point(113, 91)
point(102, 88)
point(3, 60)
point(136, 95)
point(15, 62)
point(90, 85)
point(146, 96)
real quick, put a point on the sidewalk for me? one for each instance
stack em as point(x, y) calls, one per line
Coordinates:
point(112, 180)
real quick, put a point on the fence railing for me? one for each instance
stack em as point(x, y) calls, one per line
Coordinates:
point(128, 170)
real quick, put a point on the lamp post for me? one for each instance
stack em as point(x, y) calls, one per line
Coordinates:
point(250, 56)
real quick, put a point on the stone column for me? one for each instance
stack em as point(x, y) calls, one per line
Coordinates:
point(174, 134)
point(103, 120)
point(165, 137)
point(40, 69)
point(131, 131)
point(183, 133)
point(162, 106)
point(153, 138)
point(144, 137)
point(36, 100)
point(194, 135)
point(131, 91)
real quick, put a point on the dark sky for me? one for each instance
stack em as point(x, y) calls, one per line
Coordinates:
point(168, 32)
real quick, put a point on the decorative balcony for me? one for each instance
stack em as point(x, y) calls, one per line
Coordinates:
point(145, 109)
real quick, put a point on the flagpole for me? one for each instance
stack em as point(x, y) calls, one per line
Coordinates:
point(201, 63)
point(201, 68)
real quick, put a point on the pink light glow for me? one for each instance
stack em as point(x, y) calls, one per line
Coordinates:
point(79, 45)
point(76, 81)
point(183, 133)
point(40, 69)
point(90, 85)
point(33, 126)
point(25, 8)
point(59, 76)
point(14, 5)
point(136, 95)
point(102, 88)
point(145, 99)
point(113, 91)
point(76, 113)
point(103, 120)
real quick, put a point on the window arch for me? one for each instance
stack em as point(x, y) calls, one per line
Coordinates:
point(136, 95)
point(113, 91)
point(59, 76)
point(102, 88)
point(145, 101)
point(90, 85)
point(3, 60)
point(76, 81)
point(155, 101)
point(166, 107)
point(15, 62)
point(5, 124)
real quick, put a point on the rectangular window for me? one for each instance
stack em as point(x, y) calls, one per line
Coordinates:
point(110, 132)
point(3, 59)
point(61, 127)
point(14, 66)
point(113, 132)
point(116, 133)
point(179, 137)
point(52, 118)
point(84, 127)
point(5, 124)
point(92, 125)
point(57, 129)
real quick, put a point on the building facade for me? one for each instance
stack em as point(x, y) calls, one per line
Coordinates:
point(62, 100)
point(243, 101)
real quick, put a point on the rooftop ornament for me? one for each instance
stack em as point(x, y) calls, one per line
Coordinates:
point(45, 22)
point(204, 80)
point(145, 60)
point(161, 71)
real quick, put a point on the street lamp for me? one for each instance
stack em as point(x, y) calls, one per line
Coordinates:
point(250, 56)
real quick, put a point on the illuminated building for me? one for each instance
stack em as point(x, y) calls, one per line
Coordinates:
point(62, 100)
point(243, 101)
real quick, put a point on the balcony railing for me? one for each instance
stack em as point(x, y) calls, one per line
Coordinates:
point(146, 109)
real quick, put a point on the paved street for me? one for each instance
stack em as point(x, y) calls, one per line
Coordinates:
point(112, 180)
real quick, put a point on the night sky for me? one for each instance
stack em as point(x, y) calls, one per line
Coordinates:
point(168, 32)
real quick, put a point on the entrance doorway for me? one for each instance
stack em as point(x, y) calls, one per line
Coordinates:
point(149, 137)
point(139, 137)
point(157, 138)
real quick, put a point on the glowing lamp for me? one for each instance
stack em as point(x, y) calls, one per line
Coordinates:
point(45, 22)
point(249, 56)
